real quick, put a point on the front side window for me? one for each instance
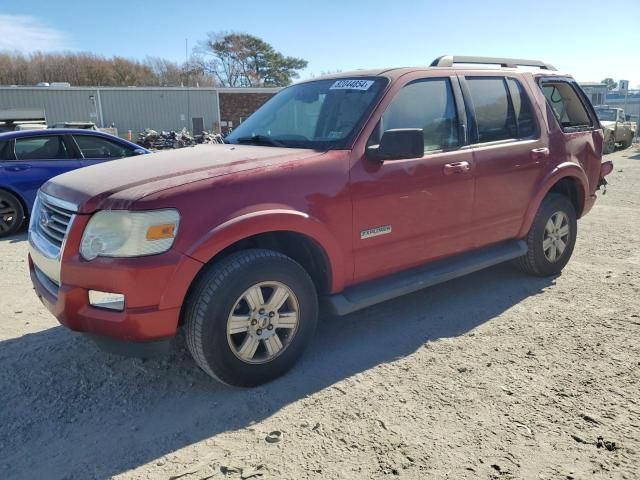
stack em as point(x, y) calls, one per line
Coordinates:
point(567, 107)
point(427, 104)
point(96, 147)
point(41, 148)
point(323, 114)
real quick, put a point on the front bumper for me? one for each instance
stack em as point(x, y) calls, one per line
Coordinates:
point(154, 288)
point(70, 305)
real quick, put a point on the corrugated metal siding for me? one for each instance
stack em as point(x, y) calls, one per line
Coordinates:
point(137, 109)
point(129, 109)
point(59, 105)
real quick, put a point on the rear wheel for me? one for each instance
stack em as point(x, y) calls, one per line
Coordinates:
point(609, 145)
point(250, 317)
point(11, 214)
point(551, 238)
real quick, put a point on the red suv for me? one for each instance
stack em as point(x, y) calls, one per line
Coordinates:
point(352, 189)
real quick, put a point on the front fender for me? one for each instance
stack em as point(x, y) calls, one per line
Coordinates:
point(563, 170)
point(276, 220)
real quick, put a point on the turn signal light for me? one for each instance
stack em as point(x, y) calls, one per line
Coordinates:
point(161, 232)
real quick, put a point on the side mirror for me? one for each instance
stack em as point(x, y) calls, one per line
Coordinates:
point(398, 144)
point(139, 151)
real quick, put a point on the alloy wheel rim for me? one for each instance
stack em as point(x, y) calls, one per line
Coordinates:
point(556, 236)
point(8, 216)
point(263, 322)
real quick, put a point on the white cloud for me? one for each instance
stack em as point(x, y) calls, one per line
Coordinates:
point(25, 34)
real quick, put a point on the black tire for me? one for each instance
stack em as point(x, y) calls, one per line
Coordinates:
point(609, 145)
point(217, 291)
point(11, 214)
point(536, 262)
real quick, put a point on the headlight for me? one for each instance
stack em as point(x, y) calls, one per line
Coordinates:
point(121, 233)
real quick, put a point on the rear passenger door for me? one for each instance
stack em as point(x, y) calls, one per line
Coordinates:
point(507, 151)
point(96, 149)
point(31, 161)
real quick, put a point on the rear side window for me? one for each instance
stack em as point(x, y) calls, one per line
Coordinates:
point(427, 104)
point(522, 110)
point(502, 109)
point(41, 148)
point(96, 147)
point(495, 119)
point(567, 106)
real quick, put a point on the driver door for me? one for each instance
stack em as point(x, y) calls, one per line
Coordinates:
point(412, 211)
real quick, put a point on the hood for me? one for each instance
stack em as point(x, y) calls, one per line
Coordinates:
point(129, 179)
point(606, 124)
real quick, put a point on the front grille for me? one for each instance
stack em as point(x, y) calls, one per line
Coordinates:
point(52, 222)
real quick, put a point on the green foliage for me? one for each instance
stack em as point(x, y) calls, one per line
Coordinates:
point(610, 83)
point(243, 60)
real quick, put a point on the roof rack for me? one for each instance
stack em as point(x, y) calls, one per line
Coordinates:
point(449, 60)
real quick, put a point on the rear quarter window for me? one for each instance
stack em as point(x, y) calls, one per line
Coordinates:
point(567, 106)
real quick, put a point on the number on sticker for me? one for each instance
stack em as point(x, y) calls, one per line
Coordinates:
point(351, 85)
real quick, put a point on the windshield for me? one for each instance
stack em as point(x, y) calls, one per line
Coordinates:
point(321, 115)
point(606, 115)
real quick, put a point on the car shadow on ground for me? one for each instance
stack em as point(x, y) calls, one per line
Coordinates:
point(17, 238)
point(71, 411)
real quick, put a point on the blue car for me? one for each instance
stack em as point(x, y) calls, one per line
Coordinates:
point(31, 157)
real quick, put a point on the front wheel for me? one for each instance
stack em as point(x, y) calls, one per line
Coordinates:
point(551, 238)
point(250, 317)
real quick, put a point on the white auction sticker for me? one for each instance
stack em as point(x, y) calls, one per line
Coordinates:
point(351, 85)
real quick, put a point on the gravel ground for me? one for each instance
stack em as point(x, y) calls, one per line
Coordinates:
point(493, 376)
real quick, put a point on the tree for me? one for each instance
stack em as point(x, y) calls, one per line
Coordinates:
point(87, 69)
point(243, 60)
point(610, 83)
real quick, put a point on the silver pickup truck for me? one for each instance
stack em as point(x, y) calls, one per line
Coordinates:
point(617, 130)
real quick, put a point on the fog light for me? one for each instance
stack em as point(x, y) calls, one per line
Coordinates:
point(108, 300)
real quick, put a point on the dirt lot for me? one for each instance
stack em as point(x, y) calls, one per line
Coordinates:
point(496, 375)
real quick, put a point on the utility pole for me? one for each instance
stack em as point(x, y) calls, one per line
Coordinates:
point(186, 71)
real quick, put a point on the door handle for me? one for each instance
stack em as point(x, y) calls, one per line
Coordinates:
point(538, 153)
point(456, 167)
point(18, 168)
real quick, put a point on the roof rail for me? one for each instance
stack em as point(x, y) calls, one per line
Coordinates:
point(449, 60)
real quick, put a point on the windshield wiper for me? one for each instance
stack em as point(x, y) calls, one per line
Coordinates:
point(261, 140)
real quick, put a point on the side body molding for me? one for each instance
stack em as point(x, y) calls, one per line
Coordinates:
point(274, 220)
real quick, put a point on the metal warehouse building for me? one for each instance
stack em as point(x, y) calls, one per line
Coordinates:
point(137, 108)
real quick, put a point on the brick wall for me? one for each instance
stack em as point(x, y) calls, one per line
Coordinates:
point(234, 106)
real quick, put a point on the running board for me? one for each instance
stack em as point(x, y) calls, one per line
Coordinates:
point(392, 286)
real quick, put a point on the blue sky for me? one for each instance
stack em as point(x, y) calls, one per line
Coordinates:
point(589, 39)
